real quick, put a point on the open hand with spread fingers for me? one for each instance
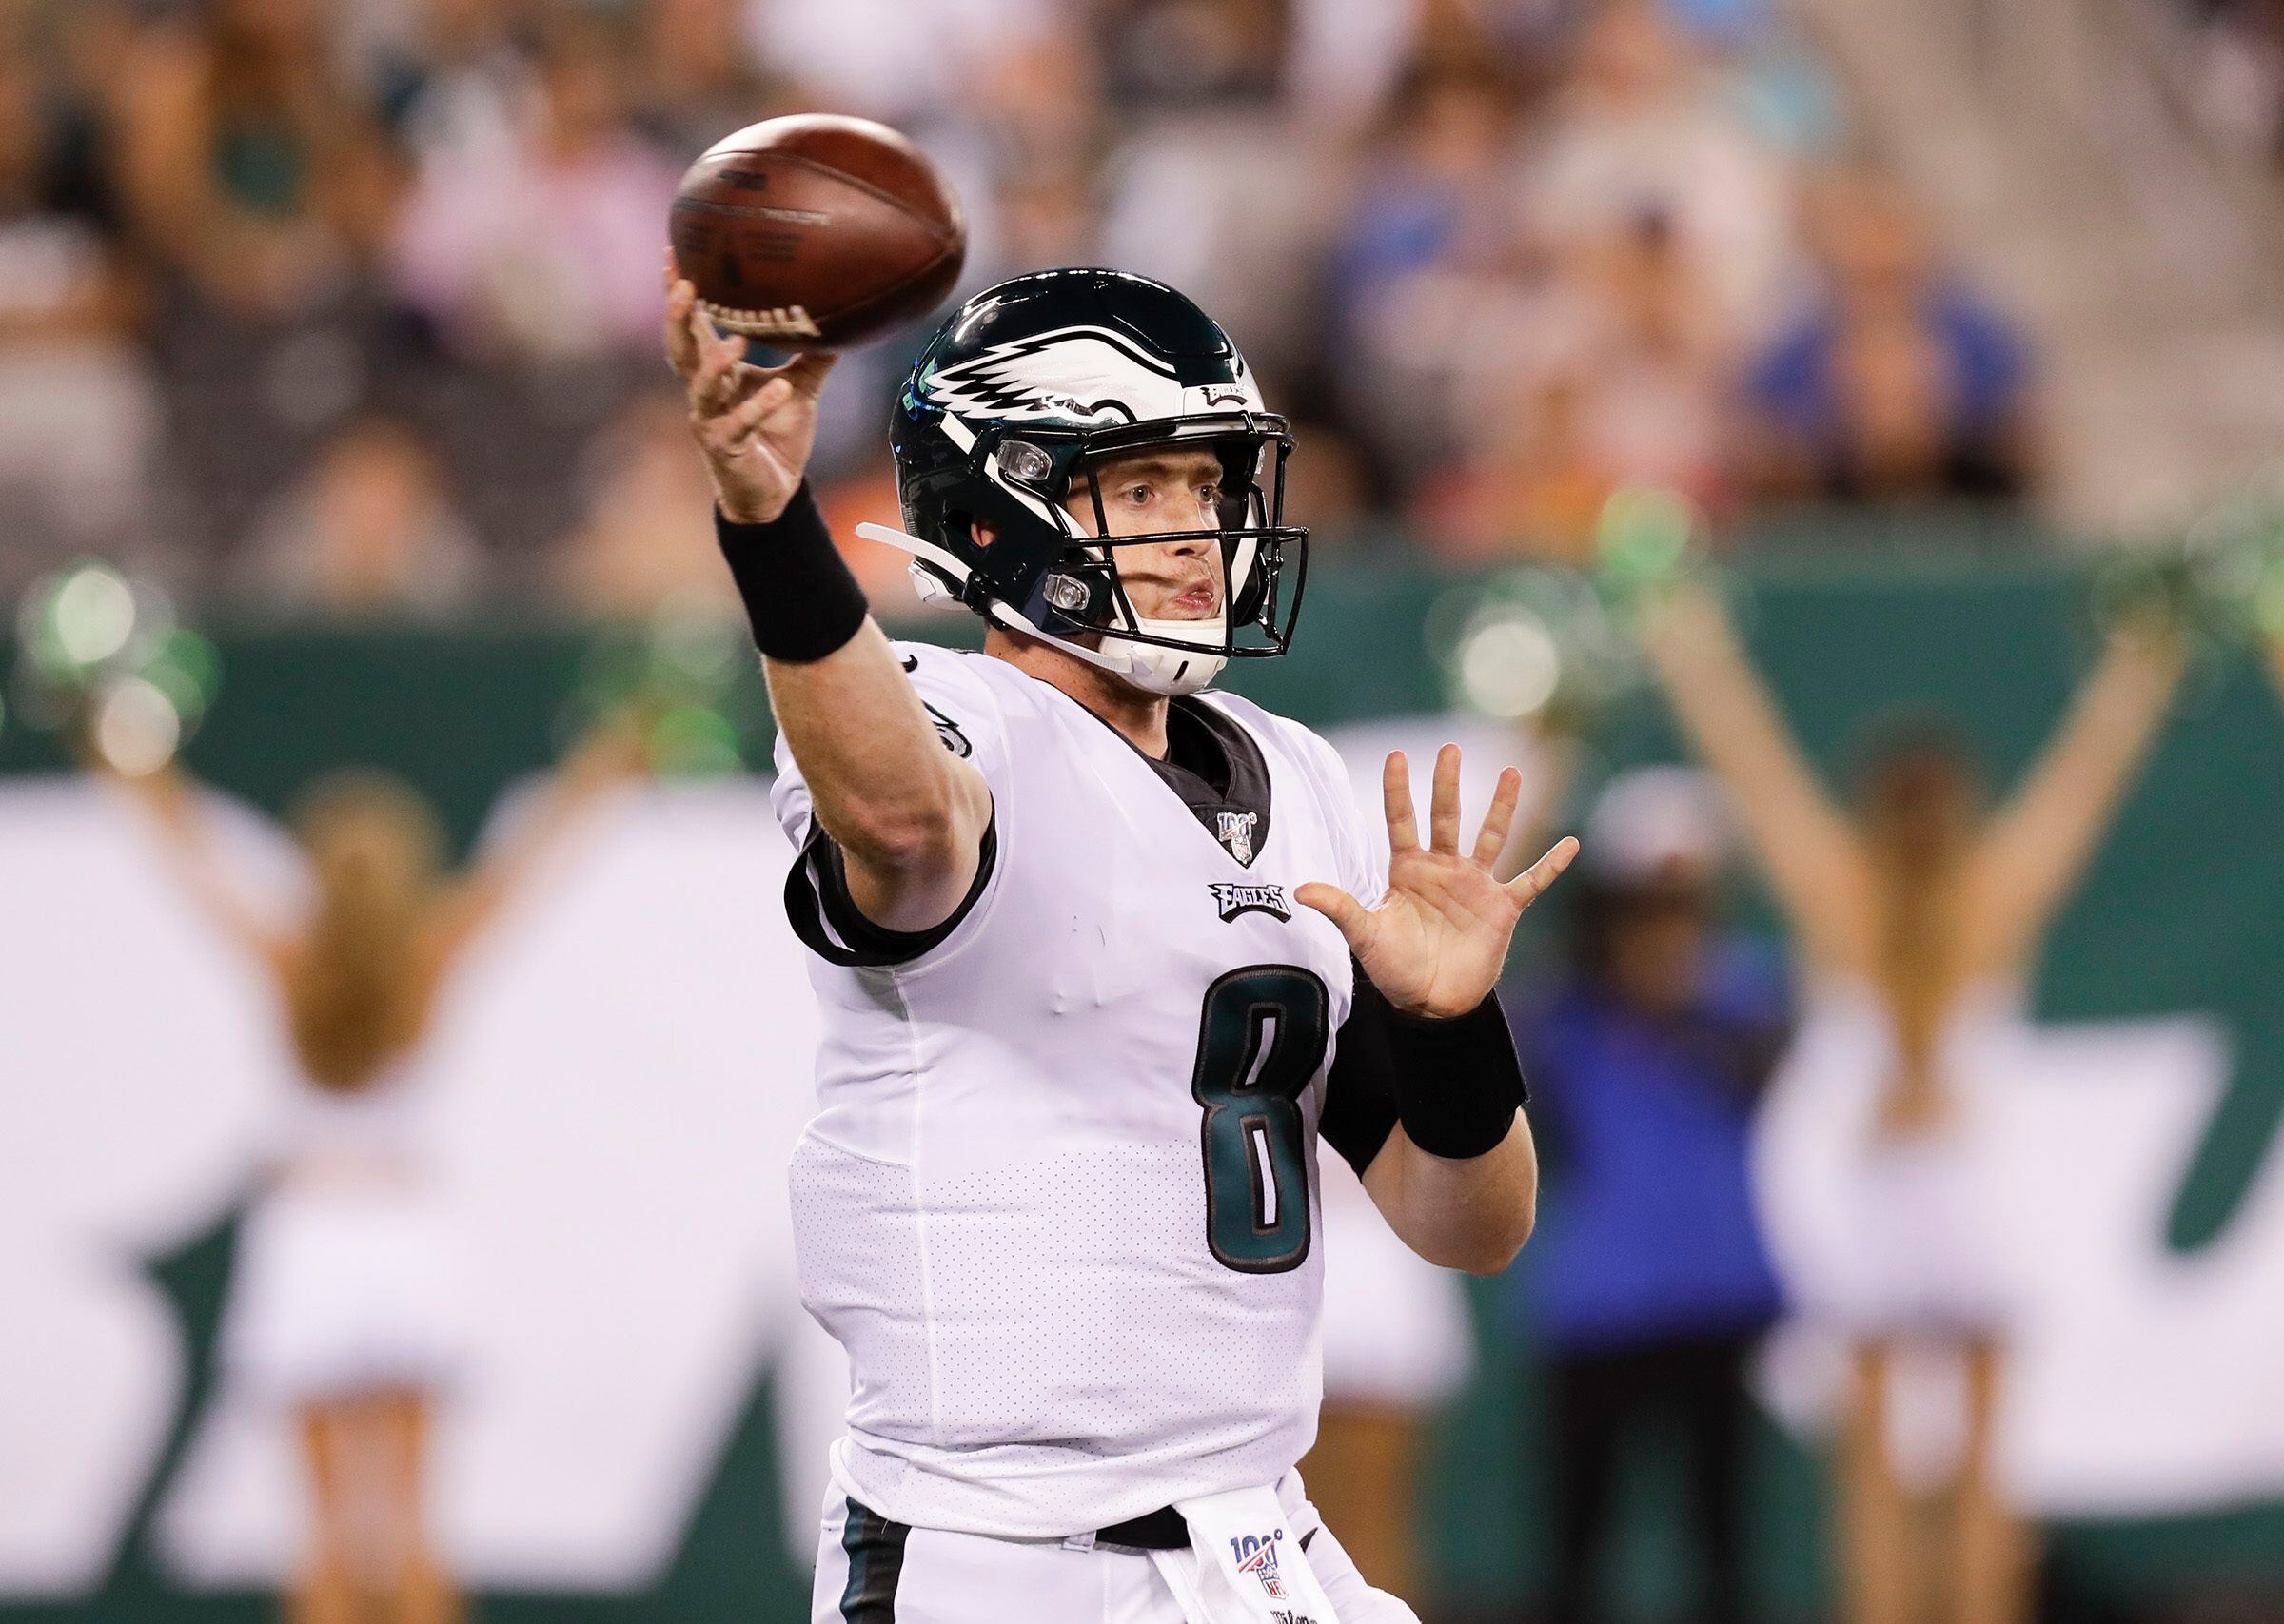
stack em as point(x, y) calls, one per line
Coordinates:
point(1438, 940)
point(756, 424)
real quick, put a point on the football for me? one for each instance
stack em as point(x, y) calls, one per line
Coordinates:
point(816, 231)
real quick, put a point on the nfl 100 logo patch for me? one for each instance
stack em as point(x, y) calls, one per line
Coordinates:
point(1235, 831)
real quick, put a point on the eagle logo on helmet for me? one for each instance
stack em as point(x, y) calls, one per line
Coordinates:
point(1087, 377)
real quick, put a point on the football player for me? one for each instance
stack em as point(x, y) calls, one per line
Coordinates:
point(1100, 956)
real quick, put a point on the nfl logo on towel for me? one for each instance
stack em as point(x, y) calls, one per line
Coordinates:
point(1261, 1563)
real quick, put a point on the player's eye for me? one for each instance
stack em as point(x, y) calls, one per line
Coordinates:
point(1209, 495)
point(1136, 496)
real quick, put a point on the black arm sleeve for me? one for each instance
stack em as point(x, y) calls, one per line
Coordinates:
point(1446, 1081)
point(829, 923)
point(1360, 1091)
point(800, 597)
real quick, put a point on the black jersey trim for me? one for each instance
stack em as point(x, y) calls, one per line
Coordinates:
point(830, 923)
point(1215, 765)
point(875, 1550)
point(1216, 769)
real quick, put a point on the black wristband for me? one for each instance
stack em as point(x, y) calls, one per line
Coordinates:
point(1459, 1082)
point(800, 597)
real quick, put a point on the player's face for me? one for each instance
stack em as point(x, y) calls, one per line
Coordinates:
point(1151, 492)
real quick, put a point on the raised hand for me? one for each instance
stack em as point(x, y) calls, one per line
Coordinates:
point(1438, 940)
point(756, 424)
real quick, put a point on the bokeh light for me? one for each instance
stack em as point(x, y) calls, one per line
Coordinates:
point(696, 742)
point(135, 727)
point(1530, 641)
point(92, 616)
point(187, 670)
point(1508, 665)
point(1646, 534)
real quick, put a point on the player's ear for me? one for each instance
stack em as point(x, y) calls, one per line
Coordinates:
point(984, 533)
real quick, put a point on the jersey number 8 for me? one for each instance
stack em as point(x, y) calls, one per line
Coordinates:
point(1260, 1039)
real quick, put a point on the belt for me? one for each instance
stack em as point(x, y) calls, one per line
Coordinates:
point(1160, 1530)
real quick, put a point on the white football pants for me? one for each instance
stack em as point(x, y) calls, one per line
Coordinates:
point(871, 1570)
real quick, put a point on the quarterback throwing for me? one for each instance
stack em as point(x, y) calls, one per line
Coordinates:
point(1099, 955)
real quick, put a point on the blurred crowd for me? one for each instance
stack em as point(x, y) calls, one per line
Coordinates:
point(2235, 58)
point(349, 306)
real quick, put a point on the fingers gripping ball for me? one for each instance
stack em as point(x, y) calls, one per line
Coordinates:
point(817, 232)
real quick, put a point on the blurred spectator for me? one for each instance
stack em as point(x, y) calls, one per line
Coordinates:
point(449, 80)
point(79, 415)
point(1433, 282)
point(1651, 1283)
point(2237, 71)
point(1330, 483)
point(1898, 382)
point(261, 180)
point(1640, 132)
point(246, 161)
point(1022, 145)
point(548, 251)
point(1346, 57)
point(1661, 367)
point(645, 540)
point(1243, 239)
point(1503, 255)
point(1535, 484)
point(1045, 215)
point(890, 59)
point(1194, 53)
point(370, 531)
point(1636, 393)
point(695, 79)
point(1038, 98)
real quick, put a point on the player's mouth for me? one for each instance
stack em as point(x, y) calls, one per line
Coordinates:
point(1200, 602)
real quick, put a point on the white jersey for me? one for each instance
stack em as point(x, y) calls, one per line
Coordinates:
point(1056, 1201)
